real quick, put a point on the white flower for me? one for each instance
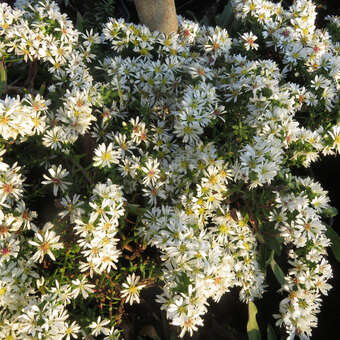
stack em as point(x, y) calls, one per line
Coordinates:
point(113, 334)
point(335, 134)
point(152, 192)
point(3, 166)
point(249, 41)
point(11, 184)
point(71, 330)
point(91, 38)
point(98, 327)
point(72, 207)
point(9, 249)
point(189, 133)
point(54, 138)
point(132, 290)
point(105, 156)
point(56, 178)
point(108, 257)
point(199, 71)
point(151, 170)
point(81, 286)
point(45, 241)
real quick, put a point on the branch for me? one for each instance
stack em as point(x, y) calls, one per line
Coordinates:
point(158, 15)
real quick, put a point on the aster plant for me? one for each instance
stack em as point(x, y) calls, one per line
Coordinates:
point(180, 152)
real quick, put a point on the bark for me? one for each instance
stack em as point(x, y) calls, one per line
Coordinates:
point(158, 15)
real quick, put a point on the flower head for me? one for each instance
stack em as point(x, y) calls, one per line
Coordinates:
point(46, 240)
point(249, 41)
point(98, 327)
point(56, 178)
point(105, 156)
point(132, 289)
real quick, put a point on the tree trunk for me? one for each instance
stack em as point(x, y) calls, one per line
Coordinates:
point(158, 15)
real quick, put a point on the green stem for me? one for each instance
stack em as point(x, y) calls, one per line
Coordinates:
point(14, 60)
point(77, 164)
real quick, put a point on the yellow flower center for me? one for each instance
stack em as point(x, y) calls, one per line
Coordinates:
point(106, 156)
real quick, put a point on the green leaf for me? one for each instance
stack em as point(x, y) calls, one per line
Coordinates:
point(260, 237)
point(273, 242)
point(3, 77)
point(335, 239)
point(252, 326)
point(135, 209)
point(278, 272)
point(226, 17)
point(330, 212)
point(42, 89)
point(79, 22)
point(271, 333)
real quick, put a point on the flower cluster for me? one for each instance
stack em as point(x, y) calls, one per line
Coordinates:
point(22, 117)
point(21, 307)
point(296, 218)
point(41, 39)
point(184, 142)
point(294, 35)
point(40, 32)
point(97, 230)
point(207, 248)
point(29, 307)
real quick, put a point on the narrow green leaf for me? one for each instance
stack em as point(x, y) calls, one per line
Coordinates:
point(271, 256)
point(3, 77)
point(42, 89)
point(260, 237)
point(271, 333)
point(226, 17)
point(274, 243)
point(330, 212)
point(79, 22)
point(335, 239)
point(279, 274)
point(252, 326)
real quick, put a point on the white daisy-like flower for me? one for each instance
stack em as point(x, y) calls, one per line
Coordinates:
point(249, 41)
point(335, 134)
point(81, 286)
point(151, 171)
point(56, 178)
point(3, 166)
point(132, 289)
point(105, 156)
point(45, 241)
point(71, 330)
point(98, 327)
point(112, 335)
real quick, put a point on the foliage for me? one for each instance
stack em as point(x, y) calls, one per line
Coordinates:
point(132, 159)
